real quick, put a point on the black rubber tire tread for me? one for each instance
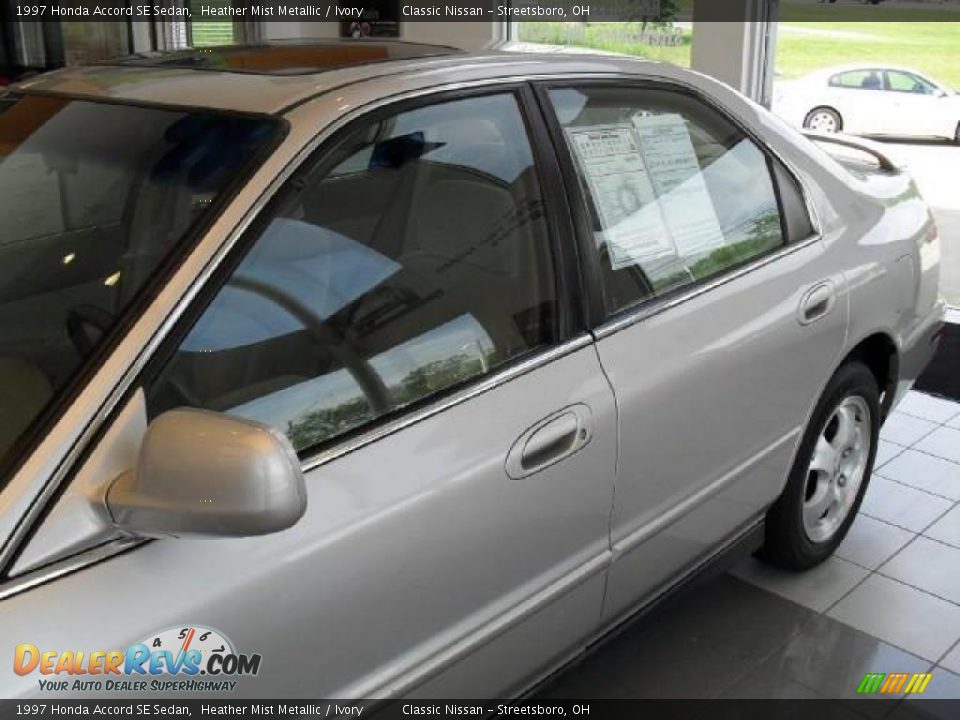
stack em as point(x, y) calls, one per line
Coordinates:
point(786, 544)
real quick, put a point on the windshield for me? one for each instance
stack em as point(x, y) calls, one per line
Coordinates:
point(93, 198)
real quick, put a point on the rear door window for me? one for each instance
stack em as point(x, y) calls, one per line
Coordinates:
point(676, 194)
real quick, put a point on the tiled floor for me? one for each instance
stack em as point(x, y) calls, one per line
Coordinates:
point(897, 574)
point(888, 601)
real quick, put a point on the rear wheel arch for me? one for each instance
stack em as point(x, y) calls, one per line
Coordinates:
point(879, 353)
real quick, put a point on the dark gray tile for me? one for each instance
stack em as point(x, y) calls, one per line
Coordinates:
point(696, 646)
point(832, 658)
point(767, 683)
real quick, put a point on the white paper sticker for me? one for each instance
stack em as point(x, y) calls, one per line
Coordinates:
point(622, 192)
point(675, 174)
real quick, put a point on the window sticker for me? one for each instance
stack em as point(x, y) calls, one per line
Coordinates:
point(673, 168)
point(613, 165)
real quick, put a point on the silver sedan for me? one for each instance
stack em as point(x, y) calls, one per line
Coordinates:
point(375, 369)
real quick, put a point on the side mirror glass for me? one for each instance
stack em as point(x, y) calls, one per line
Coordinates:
point(204, 473)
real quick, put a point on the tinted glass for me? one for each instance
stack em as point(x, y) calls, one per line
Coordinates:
point(908, 82)
point(415, 258)
point(677, 194)
point(863, 79)
point(92, 198)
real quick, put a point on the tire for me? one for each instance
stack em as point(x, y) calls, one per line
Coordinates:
point(824, 119)
point(834, 480)
point(956, 135)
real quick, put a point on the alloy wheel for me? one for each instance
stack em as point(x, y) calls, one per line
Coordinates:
point(837, 468)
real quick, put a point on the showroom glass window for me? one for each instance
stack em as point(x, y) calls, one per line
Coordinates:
point(414, 258)
point(676, 193)
point(93, 197)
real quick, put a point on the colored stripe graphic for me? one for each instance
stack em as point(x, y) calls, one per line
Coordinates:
point(894, 683)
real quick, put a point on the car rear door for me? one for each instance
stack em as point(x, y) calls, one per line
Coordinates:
point(859, 96)
point(718, 320)
point(406, 313)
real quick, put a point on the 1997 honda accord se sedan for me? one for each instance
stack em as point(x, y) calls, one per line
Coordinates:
point(378, 369)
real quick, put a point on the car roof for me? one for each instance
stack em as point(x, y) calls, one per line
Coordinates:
point(853, 67)
point(272, 78)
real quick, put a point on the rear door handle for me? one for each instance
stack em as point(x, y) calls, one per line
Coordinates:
point(551, 440)
point(817, 302)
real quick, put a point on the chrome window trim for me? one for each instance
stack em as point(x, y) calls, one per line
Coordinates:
point(649, 307)
point(718, 107)
point(127, 381)
point(441, 404)
point(45, 574)
point(12, 586)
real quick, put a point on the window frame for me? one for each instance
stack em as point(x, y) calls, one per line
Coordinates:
point(574, 335)
point(27, 444)
point(834, 81)
point(317, 163)
point(603, 322)
point(888, 86)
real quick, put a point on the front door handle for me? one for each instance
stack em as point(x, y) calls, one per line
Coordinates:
point(817, 302)
point(551, 440)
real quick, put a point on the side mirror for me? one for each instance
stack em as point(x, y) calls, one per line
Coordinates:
point(204, 473)
point(940, 93)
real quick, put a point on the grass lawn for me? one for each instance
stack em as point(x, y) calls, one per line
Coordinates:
point(930, 47)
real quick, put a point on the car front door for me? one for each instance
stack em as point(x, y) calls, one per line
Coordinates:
point(719, 320)
point(401, 312)
point(915, 108)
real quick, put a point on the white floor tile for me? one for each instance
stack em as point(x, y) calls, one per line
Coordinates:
point(905, 429)
point(928, 407)
point(886, 451)
point(901, 615)
point(901, 505)
point(928, 565)
point(925, 472)
point(816, 589)
point(943, 442)
point(947, 528)
point(871, 542)
point(952, 660)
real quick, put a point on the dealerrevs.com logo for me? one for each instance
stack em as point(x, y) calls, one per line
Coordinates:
point(178, 659)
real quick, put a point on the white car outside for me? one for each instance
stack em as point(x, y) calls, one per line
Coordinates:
point(870, 100)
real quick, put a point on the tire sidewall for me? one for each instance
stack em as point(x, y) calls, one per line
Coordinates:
point(838, 121)
point(852, 379)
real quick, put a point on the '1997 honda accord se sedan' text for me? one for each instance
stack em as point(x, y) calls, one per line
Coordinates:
point(374, 369)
